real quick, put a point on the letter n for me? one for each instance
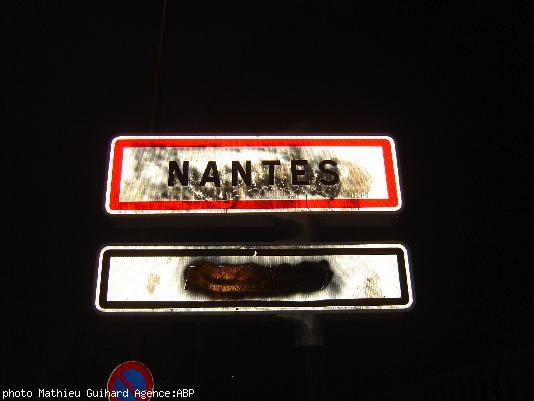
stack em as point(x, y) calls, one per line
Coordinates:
point(246, 173)
point(175, 172)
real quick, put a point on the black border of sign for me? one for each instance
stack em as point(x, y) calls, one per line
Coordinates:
point(133, 306)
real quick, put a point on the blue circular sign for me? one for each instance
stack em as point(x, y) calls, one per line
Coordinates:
point(130, 381)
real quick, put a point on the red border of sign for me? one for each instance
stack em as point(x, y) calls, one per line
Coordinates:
point(149, 380)
point(119, 145)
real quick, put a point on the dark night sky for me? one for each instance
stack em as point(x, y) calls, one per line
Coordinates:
point(451, 83)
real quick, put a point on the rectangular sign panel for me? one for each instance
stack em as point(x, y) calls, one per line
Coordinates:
point(240, 174)
point(235, 279)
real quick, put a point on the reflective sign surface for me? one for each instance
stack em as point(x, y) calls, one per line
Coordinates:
point(239, 174)
point(253, 278)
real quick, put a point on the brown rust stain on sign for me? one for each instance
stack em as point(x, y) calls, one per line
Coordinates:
point(357, 184)
point(152, 282)
point(372, 289)
point(237, 280)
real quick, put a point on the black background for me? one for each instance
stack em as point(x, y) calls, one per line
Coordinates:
point(451, 83)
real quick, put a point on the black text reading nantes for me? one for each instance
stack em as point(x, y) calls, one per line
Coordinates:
point(211, 174)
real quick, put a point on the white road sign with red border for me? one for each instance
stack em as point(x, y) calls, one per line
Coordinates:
point(259, 174)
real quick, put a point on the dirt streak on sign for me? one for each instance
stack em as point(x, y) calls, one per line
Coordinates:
point(239, 174)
